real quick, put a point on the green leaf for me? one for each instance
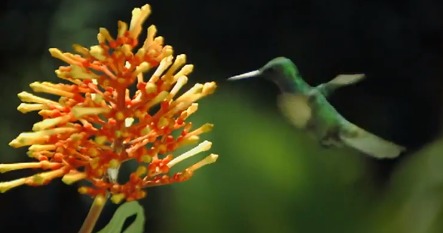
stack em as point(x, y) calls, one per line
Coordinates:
point(123, 212)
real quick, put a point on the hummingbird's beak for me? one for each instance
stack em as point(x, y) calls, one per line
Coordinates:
point(251, 74)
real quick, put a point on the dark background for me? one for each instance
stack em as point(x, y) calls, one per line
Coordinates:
point(270, 176)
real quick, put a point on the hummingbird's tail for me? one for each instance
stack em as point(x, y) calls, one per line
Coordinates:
point(369, 143)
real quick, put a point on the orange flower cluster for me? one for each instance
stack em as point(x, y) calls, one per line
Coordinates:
point(97, 123)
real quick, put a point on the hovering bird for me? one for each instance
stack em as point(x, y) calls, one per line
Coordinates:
point(307, 108)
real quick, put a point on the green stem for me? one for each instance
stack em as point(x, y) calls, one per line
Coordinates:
point(93, 214)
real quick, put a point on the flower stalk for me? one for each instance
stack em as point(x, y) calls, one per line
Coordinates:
point(93, 214)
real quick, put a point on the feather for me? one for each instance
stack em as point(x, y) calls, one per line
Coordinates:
point(346, 79)
point(339, 81)
point(368, 143)
point(295, 108)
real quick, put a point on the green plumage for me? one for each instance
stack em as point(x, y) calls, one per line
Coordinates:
point(307, 108)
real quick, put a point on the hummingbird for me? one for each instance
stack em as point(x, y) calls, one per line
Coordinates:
point(307, 108)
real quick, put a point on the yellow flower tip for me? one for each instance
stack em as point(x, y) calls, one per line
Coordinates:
point(162, 122)
point(80, 49)
point(143, 67)
point(41, 125)
point(36, 86)
point(139, 15)
point(100, 172)
point(103, 35)
point(152, 31)
point(44, 177)
point(150, 88)
point(138, 113)
point(100, 139)
point(79, 72)
point(160, 97)
point(146, 158)
point(26, 139)
point(122, 28)
point(140, 53)
point(159, 40)
point(38, 179)
point(118, 133)
point(185, 70)
point(55, 52)
point(164, 64)
point(97, 98)
point(204, 146)
point(7, 167)
point(39, 137)
point(207, 127)
point(100, 200)
point(190, 110)
point(23, 96)
point(50, 88)
point(59, 130)
point(18, 166)
point(120, 116)
point(94, 162)
point(212, 158)
point(5, 186)
point(180, 60)
point(202, 129)
point(32, 154)
point(38, 147)
point(141, 171)
point(25, 108)
point(126, 49)
point(73, 177)
point(190, 140)
point(100, 38)
point(189, 96)
point(117, 198)
point(50, 122)
point(181, 81)
point(82, 111)
point(77, 136)
point(186, 99)
point(83, 190)
point(114, 163)
point(60, 74)
point(209, 88)
point(30, 98)
point(168, 50)
point(15, 143)
point(93, 152)
point(97, 52)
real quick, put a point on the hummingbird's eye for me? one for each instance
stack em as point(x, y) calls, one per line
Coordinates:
point(271, 70)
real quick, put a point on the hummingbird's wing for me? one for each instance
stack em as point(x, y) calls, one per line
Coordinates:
point(368, 143)
point(295, 107)
point(339, 81)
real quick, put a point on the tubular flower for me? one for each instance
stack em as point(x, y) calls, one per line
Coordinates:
point(98, 123)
